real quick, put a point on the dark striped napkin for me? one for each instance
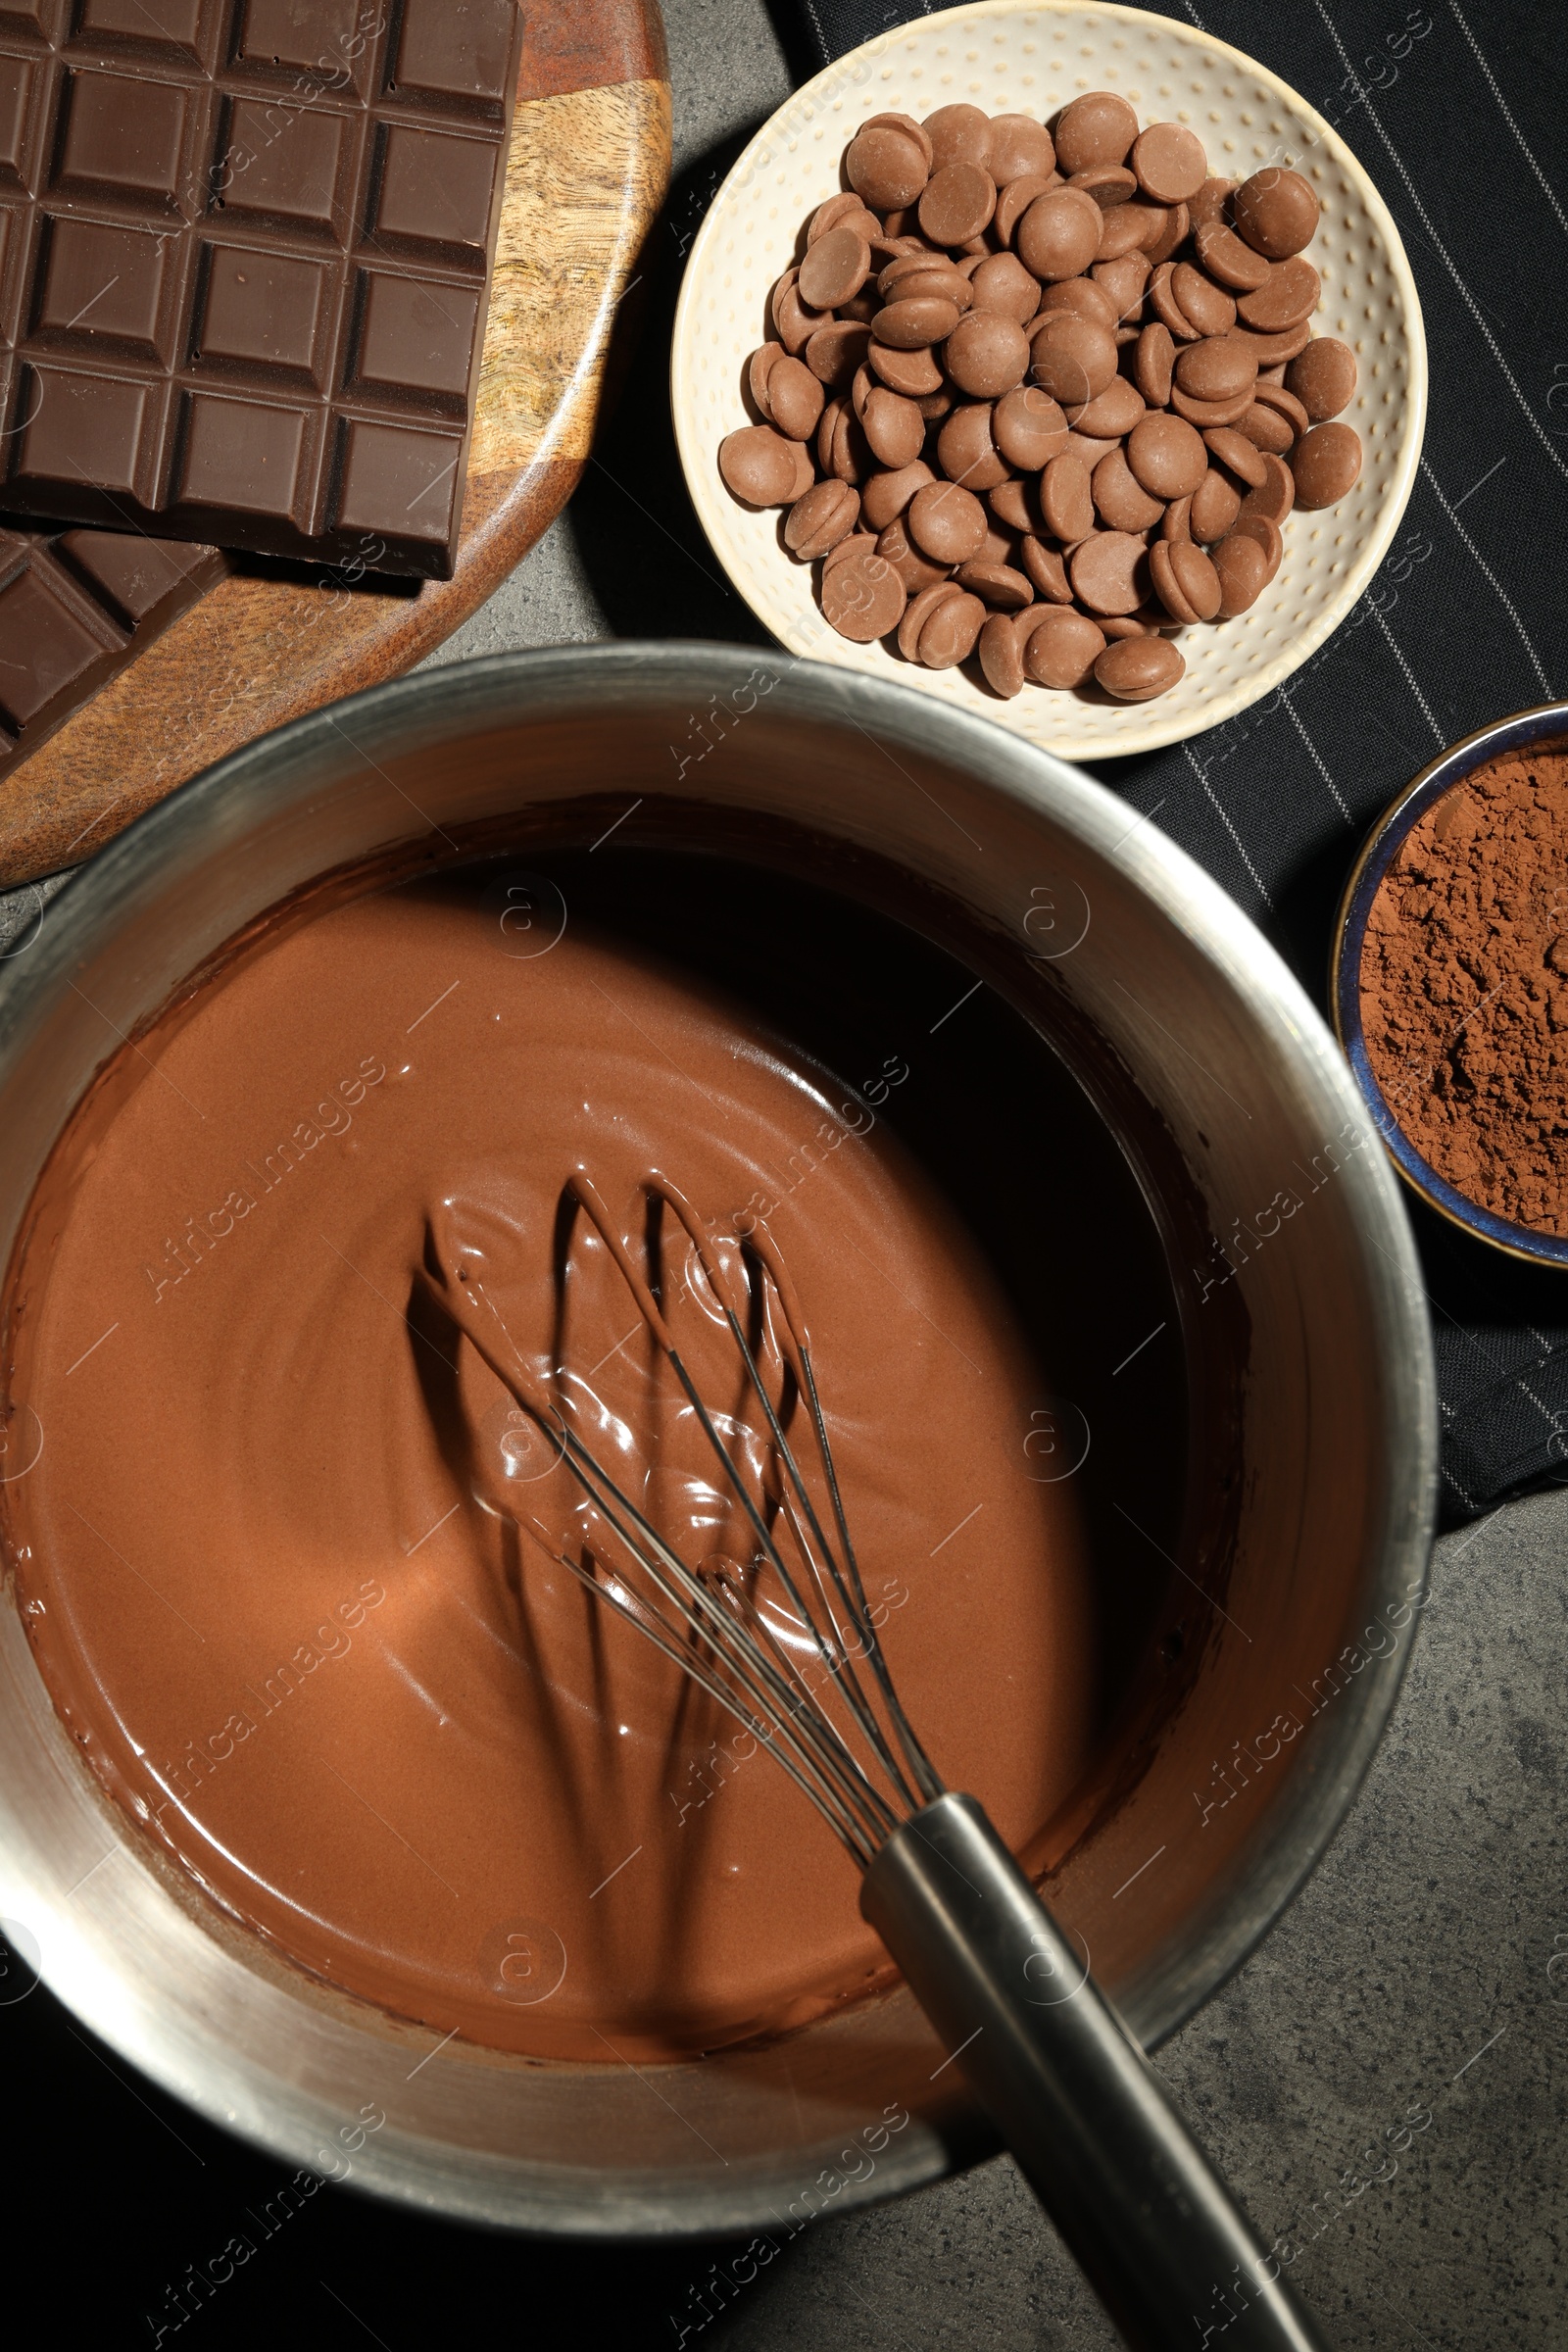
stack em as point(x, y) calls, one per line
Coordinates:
point(1457, 111)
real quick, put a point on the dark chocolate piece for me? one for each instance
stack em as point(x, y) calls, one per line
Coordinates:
point(76, 607)
point(244, 255)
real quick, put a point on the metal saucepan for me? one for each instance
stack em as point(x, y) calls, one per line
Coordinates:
point(1310, 1397)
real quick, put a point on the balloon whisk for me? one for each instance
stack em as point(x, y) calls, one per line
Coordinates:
point(790, 1648)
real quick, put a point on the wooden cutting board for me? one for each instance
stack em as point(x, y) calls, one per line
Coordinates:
point(586, 174)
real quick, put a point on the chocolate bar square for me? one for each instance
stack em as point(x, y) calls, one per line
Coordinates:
point(431, 191)
point(264, 310)
point(77, 423)
point(415, 334)
point(16, 85)
point(75, 608)
point(456, 52)
point(240, 457)
point(119, 140)
point(116, 276)
point(244, 259)
point(142, 24)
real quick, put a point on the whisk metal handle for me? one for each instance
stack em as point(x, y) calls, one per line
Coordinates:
point(1087, 2119)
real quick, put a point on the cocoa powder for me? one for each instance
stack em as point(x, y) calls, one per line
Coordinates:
point(1464, 988)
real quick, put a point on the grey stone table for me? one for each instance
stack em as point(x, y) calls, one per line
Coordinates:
point(1412, 1984)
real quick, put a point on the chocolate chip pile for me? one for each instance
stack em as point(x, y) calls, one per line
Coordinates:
point(1046, 395)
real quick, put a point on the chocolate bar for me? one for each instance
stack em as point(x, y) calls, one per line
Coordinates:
point(74, 608)
point(244, 256)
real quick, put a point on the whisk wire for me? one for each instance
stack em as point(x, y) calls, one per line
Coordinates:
point(804, 1741)
point(759, 1242)
point(799, 1738)
point(716, 1619)
point(841, 1659)
point(926, 1777)
point(778, 1737)
point(837, 1656)
point(713, 1630)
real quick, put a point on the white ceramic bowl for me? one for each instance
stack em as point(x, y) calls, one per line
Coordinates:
point(1006, 56)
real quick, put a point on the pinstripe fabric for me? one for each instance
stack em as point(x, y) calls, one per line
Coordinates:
point(1457, 111)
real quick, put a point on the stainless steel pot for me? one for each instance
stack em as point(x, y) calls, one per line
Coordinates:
point(1310, 1488)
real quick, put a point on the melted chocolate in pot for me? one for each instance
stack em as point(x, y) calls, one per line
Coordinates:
point(279, 1555)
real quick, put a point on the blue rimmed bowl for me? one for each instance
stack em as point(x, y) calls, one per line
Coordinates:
point(1524, 730)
